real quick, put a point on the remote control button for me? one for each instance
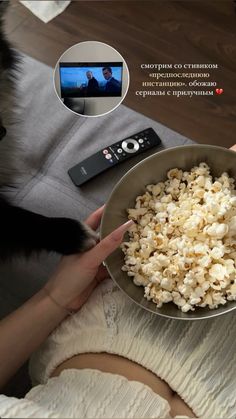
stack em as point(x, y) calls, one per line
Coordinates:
point(123, 154)
point(105, 151)
point(140, 141)
point(111, 161)
point(145, 138)
point(119, 150)
point(142, 145)
point(130, 145)
point(108, 156)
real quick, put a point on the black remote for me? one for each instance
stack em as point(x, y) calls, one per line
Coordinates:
point(113, 155)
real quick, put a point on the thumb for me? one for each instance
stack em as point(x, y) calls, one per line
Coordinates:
point(106, 246)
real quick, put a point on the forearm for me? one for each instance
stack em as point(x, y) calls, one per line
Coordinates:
point(75, 278)
point(23, 331)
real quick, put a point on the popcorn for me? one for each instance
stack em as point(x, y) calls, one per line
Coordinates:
point(182, 247)
point(232, 226)
point(217, 230)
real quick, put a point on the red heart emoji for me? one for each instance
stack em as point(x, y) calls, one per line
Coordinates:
point(219, 91)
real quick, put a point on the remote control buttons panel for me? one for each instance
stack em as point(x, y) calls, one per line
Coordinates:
point(130, 145)
point(124, 149)
point(113, 155)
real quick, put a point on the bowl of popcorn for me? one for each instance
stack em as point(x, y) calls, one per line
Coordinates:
point(178, 259)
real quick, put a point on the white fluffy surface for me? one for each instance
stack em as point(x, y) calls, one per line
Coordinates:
point(46, 10)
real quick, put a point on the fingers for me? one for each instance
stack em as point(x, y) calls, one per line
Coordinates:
point(233, 147)
point(102, 274)
point(108, 245)
point(94, 219)
point(84, 295)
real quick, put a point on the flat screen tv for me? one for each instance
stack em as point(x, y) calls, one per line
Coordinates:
point(94, 79)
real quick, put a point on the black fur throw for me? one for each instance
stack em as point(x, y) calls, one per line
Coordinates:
point(22, 231)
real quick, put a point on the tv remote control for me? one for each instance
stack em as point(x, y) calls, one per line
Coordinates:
point(112, 155)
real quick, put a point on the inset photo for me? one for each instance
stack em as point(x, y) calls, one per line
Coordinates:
point(91, 78)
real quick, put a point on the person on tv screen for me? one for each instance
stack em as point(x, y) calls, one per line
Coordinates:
point(93, 86)
point(113, 86)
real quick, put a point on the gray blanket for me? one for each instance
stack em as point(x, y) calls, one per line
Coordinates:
point(52, 139)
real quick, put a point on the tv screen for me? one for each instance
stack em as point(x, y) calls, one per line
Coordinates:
point(91, 79)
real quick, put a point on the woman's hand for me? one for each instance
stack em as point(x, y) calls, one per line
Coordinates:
point(76, 276)
point(72, 283)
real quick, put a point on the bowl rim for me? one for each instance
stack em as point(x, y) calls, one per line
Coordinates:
point(213, 313)
point(210, 316)
point(166, 150)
